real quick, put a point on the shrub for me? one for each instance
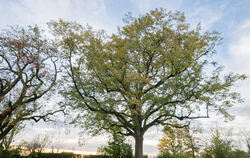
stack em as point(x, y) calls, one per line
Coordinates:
point(117, 148)
point(15, 153)
point(169, 155)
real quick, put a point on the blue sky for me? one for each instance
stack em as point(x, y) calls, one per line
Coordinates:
point(229, 17)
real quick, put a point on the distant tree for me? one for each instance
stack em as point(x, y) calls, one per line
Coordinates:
point(36, 146)
point(246, 137)
point(194, 143)
point(156, 69)
point(221, 146)
point(178, 142)
point(244, 140)
point(27, 73)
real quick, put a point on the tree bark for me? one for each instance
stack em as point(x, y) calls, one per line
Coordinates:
point(139, 145)
point(5, 131)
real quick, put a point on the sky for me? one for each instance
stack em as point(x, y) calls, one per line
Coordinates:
point(229, 17)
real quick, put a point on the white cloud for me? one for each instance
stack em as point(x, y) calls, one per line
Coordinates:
point(239, 47)
point(239, 51)
point(30, 12)
point(238, 62)
point(207, 15)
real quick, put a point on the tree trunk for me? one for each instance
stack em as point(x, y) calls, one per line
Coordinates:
point(139, 145)
point(5, 131)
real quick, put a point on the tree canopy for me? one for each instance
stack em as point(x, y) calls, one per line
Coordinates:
point(154, 70)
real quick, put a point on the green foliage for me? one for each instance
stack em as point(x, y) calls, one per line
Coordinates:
point(56, 155)
point(151, 70)
point(117, 148)
point(240, 154)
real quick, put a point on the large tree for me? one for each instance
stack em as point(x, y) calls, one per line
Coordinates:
point(27, 73)
point(154, 70)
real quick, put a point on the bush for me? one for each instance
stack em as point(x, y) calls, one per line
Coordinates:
point(96, 156)
point(10, 153)
point(168, 155)
point(117, 148)
point(53, 155)
point(240, 154)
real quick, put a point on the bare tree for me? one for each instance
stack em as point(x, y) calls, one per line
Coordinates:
point(37, 145)
point(27, 73)
point(245, 139)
